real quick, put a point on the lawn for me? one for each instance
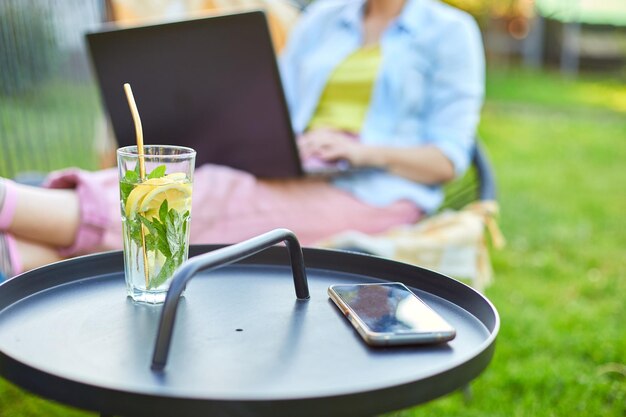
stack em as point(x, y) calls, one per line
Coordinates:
point(559, 150)
point(49, 128)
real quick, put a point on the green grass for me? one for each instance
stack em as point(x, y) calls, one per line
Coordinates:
point(588, 93)
point(559, 151)
point(49, 129)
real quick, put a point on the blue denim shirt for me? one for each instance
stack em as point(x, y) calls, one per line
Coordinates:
point(429, 89)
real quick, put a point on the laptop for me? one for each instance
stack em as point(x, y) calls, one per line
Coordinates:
point(211, 84)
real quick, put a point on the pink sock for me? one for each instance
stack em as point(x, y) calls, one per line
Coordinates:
point(7, 211)
point(14, 256)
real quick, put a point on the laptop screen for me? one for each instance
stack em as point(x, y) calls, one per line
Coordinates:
point(211, 84)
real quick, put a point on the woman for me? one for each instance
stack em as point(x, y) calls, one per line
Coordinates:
point(393, 86)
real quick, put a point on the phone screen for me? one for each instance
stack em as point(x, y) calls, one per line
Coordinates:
point(390, 308)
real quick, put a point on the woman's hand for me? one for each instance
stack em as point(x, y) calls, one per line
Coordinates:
point(332, 145)
point(425, 164)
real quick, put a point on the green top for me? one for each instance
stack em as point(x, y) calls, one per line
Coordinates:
point(346, 97)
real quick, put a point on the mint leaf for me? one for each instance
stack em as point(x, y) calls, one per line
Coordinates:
point(173, 224)
point(166, 233)
point(125, 190)
point(163, 211)
point(163, 246)
point(157, 172)
point(159, 231)
point(185, 222)
point(132, 176)
point(160, 227)
point(175, 218)
point(135, 231)
point(128, 183)
point(148, 224)
point(168, 268)
point(151, 242)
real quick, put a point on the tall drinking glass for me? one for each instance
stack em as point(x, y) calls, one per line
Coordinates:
point(155, 201)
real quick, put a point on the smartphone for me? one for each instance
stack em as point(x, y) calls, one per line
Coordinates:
point(390, 314)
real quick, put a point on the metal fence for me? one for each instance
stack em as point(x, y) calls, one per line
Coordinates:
point(49, 103)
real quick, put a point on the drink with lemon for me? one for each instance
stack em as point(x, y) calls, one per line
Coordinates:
point(156, 211)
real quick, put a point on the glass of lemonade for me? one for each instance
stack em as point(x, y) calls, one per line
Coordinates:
point(155, 204)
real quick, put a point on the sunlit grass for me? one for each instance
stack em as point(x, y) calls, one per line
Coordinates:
point(560, 283)
point(552, 89)
point(49, 129)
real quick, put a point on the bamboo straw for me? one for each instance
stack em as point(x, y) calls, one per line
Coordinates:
point(142, 167)
point(138, 129)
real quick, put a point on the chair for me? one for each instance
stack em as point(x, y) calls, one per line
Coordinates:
point(478, 183)
point(452, 241)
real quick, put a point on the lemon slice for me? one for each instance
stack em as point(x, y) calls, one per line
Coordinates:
point(178, 196)
point(176, 176)
point(149, 195)
point(135, 197)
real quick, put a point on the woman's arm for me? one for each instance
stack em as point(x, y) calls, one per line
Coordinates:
point(424, 164)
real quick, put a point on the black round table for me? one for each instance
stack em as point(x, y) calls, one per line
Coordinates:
point(239, 342)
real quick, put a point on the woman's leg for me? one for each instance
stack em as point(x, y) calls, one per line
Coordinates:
point(41, 215)
point(17, 205)
point(71, 213)
point(230, 206)
point(17, 256)
point(33, 255)
point(67, 217)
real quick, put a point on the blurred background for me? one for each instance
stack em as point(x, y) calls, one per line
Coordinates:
point(45, 64)
point(553, 124)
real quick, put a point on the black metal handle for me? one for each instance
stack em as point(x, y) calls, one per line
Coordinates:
point(218, 258)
